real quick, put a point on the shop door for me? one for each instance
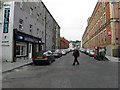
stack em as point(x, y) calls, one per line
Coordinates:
point(30, 50)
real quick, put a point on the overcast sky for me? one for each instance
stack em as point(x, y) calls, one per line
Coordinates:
point(71, 15)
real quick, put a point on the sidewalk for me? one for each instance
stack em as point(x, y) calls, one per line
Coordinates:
point(113, 59)
point(8, 66)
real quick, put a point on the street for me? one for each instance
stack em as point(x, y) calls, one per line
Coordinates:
point(62, 74)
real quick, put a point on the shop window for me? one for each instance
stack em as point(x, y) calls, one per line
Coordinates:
point(21, 50)
point(17, 50)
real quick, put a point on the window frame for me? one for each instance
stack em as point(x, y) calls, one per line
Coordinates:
point(22, 50)
point(20, 25)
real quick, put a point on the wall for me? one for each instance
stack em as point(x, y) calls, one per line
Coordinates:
point(64, 44)
point(1, 33)
point(7, 48)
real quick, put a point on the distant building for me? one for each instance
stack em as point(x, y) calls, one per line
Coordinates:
point(75, 44)
point(64, 43)
point(27, 27)
point(103, 28)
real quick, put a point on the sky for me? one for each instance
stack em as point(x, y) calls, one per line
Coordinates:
point(71, 15)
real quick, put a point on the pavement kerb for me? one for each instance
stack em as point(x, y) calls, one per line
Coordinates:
point(17, 67)
point(113, 59)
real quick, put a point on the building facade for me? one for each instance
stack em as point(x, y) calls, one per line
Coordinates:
point(103, 28)
point(27, 27)
point(75, 44)
point(64, 43)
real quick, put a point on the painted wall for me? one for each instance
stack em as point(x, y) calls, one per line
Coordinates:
point(7, 38)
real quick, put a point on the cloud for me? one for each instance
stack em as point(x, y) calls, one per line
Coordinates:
point(71, 15)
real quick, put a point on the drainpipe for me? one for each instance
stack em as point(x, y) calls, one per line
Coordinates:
point(45, 29)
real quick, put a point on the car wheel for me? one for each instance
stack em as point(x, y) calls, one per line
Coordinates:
point(49, 62)
point(34, 63)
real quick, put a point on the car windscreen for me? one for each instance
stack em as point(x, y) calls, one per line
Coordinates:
point(39, 53)
point(91, 50)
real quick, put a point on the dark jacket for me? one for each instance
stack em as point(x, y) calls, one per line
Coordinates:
point(76, 53)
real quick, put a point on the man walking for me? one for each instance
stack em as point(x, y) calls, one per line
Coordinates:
point(76, 55)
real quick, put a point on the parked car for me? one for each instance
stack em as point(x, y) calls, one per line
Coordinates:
point(67, 50)
point(63, 52)
point(43, 57)
point(87, 52)
point(91, 53)
point(83, 50)
point(100, 53)
point(57, 54)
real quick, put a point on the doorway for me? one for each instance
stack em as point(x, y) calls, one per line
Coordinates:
point(30, 50)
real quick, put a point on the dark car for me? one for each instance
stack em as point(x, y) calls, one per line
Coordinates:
point(43, 57)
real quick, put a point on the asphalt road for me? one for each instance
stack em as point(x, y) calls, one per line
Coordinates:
point(62, 74)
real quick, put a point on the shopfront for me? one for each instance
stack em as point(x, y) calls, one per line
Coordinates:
point(26, 45)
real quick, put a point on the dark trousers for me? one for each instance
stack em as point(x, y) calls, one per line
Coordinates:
point(75, 60)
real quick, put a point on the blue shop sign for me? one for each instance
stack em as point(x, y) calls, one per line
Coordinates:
point(18, 37)
point(28, 39)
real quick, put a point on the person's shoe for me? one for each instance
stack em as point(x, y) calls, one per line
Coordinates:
point(73, 64)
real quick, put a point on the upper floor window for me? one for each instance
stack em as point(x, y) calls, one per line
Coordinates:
point(21, 4)
point(104, 18)
point(31, 27)
point(20, 24)
point(42, 33)
point(105, 35)
point(101, 21)
point(38, 31)
point(38, 17)
point(31, 11)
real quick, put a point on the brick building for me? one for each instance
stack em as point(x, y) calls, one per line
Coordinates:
point(64, 43)
point(103, 29)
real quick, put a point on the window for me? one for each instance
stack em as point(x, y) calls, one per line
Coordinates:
point(31, 11)
point(38, 17)
point(104, 5)
point(104, 18)
point(21, 49)
point(105, 34)
point(31, 28)
point(20, 24)
point(38, 3)
point(100, 21)
point(21, 4)
point(38, 31)
point(18, 50)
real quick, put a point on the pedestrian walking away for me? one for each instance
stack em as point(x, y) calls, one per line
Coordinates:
point(76, 55)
